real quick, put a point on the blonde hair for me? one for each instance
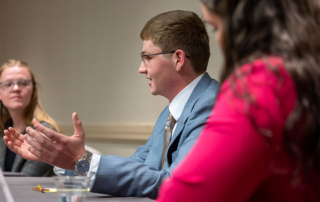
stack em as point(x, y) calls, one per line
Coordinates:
point(34, 108)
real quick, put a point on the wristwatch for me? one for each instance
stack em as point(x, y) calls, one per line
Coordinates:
point(83, 165)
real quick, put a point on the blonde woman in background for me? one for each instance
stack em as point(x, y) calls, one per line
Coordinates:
point(19, 104)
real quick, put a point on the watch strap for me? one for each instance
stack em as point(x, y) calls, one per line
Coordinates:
point(86, 157)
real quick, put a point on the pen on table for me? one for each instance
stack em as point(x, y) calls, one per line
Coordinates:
point(40, 188)
point(46, 190)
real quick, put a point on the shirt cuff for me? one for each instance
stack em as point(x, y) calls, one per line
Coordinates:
point(91, 173)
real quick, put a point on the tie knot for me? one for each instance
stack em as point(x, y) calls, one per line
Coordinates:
point(170, 121)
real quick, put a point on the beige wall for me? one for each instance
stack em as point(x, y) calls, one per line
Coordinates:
point(86, 56)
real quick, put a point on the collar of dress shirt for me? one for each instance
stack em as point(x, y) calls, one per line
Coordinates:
point(178, 102)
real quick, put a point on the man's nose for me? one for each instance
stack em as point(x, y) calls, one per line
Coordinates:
point(142, 68)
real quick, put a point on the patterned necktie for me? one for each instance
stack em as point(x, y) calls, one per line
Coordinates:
point(167, 136)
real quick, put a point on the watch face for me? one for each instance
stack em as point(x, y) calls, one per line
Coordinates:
point(83, 166)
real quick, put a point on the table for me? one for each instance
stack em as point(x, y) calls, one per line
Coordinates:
point(20, 188)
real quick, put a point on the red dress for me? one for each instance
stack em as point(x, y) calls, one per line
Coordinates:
point(240, 155)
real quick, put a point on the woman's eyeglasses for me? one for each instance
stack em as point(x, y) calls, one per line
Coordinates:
point(8, 84)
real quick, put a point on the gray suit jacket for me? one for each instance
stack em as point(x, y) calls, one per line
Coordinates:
point(29, 168)
point(141, 174)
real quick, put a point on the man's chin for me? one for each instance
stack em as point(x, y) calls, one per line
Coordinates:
point(153, 92)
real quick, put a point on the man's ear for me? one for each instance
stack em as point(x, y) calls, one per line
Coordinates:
point(180, 58)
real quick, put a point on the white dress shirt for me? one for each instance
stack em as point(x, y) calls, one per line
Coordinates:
point(175, 107)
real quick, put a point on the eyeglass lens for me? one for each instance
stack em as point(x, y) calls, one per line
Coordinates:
point(8, 84)
point(147, 55)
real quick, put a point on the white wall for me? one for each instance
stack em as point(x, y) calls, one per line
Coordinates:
point(86, 55)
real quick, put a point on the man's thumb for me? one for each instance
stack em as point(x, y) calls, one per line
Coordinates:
point(78, 129)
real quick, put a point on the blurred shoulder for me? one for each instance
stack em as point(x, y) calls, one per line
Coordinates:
point(47, 125)
point(268, 71)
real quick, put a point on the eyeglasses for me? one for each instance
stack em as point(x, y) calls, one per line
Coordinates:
point(8, 84)
point(144, 57)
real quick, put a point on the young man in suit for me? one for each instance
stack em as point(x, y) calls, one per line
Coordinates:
point(174, 57)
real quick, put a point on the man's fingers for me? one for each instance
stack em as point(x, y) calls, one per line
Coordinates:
point(40, 155)
point(40, 147)
point(44, 154)
point(78, 129)
point(34, 121)
point(39, 141)
point(51, 134)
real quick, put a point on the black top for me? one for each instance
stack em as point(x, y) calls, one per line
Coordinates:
point(10, 155)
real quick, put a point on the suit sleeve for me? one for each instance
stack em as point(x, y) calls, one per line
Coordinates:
point(120, 176)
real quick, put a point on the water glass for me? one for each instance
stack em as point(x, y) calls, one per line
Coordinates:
point(71, 188)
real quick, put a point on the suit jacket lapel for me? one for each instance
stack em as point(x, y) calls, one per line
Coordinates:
point(18, 161)
point(196, 93)
point(17, 164)
point(3, 150)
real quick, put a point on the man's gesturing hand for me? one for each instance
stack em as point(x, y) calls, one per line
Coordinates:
point(46, 145)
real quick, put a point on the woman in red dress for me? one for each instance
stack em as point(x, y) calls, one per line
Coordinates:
point(262, 140)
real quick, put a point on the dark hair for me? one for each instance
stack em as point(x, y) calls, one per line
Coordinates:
point(289, 29)
point(180, 30)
